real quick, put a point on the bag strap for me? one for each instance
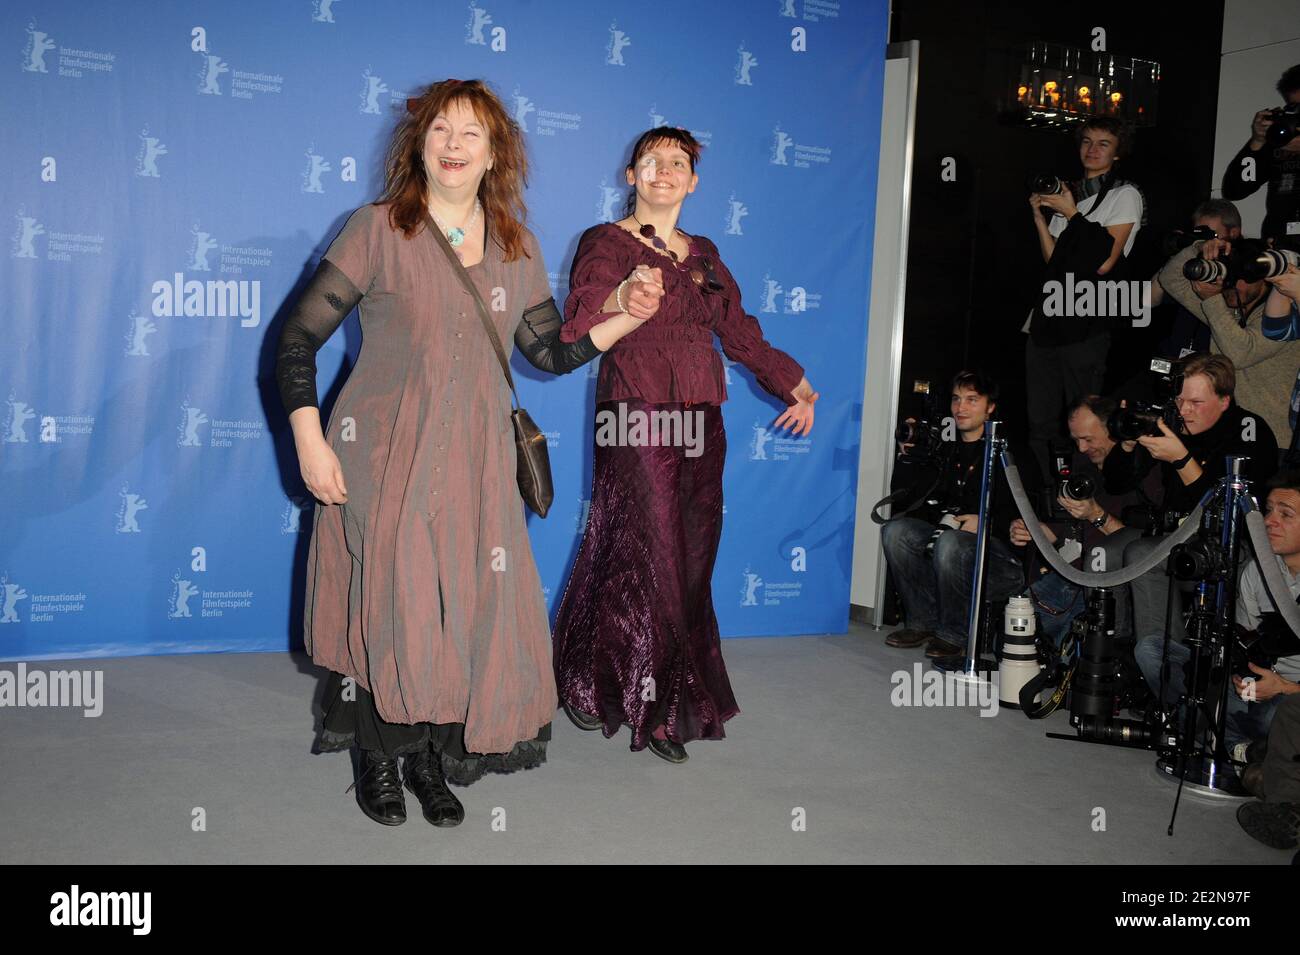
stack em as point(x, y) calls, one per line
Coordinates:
point(459, 268)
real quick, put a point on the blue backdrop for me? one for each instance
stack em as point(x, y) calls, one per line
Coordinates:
point(145, 455)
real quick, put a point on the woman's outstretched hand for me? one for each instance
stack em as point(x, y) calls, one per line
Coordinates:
point(799, 416)
point(322, 474)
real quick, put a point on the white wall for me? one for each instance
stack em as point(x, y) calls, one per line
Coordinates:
point(1261, 38)
point(885, 323)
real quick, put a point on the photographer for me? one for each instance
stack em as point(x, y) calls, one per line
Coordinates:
point(1212, 219)
point(1098, 535)
point(1281, 323)
point(1272, 155)
point(1276, 821)
point(1088, 230)
point(1251, 708)
point(932, 555)
point(1211, 426)
point(1234, 311)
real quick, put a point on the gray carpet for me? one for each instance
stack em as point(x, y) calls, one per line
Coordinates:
point(877, 783)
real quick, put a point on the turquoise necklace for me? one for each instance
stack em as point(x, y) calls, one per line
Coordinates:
point(456, 236)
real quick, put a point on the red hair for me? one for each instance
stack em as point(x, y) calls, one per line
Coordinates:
point(502, 190)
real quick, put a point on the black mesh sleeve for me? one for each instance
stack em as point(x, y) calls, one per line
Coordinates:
point(538, 337)
point(321, 308)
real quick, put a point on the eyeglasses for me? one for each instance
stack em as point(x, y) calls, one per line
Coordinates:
point(706, 278)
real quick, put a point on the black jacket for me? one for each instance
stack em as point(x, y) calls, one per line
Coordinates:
point(960, 476)
point(1081, 249)
point(1125, 470)
point(1282, 173)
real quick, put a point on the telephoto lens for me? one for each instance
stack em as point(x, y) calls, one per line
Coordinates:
point(1273, 262)
point(1096, 674)
point(1118, 732)
point(1019, 662)
point(1204, 270)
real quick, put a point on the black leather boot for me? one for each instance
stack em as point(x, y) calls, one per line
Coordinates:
point(582, 720)
point(425, 778)
point(379, 789)
point(667, 749)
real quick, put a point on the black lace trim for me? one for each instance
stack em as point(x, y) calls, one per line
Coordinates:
point(526, 754)
point(538, 337)
point(322, 307)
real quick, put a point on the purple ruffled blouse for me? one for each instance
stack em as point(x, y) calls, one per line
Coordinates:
point(671, 357)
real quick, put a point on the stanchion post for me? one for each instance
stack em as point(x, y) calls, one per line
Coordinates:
point(991, 446)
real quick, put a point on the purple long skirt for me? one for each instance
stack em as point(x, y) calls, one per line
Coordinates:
point(636, 639)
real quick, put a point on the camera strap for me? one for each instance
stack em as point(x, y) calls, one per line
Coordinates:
point(1056, 676)
point(898, 496)
point(1086, 189)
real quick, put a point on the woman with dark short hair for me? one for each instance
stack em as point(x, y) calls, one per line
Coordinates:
point(636, 639)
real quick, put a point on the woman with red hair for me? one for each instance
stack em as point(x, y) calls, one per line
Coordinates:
point(636, 639)
point(422, 598)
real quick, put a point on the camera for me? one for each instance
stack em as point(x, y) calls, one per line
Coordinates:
point(1178, 240)
point(1078, 487)
point(1199, 559)
point(1045, 184)
point(1286, 125)
point(1065, 483)
point(1152, 521)
point(1250, 260)
point(1203, 557)
point(1263, 646)
point(1142, 419)
point(924, 435)
point(1106, 681)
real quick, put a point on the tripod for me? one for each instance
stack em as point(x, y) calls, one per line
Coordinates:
point(1202, 761)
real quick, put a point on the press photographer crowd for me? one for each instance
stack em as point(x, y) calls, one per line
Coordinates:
point(1117, 566)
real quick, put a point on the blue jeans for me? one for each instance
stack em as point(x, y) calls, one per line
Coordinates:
point(936, 591)
point(1056, 603)
point(1244, 723)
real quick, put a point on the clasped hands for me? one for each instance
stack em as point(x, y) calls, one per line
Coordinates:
point(642, 291)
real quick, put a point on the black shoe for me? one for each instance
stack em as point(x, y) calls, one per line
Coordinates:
point(426, 780)
point(379, 789)
point(907, 637)
point(667, 749)
point(582, 720)
point(939, 647)
point(1276, 824)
